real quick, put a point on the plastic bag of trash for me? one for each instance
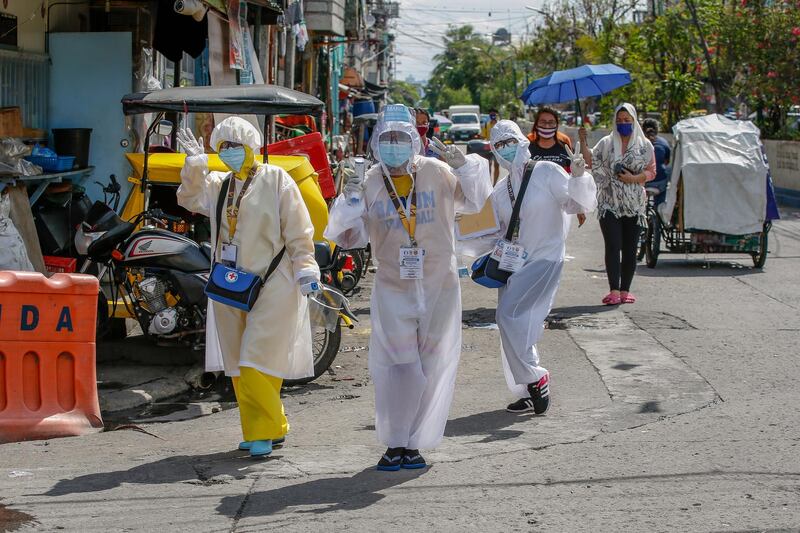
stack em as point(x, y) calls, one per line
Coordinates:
point(12, 152)
point(323, 309)
point(13, 254)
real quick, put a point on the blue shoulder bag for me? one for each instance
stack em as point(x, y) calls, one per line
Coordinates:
point(232, 286)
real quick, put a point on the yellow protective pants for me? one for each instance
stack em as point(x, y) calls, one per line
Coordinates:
point(260, 407)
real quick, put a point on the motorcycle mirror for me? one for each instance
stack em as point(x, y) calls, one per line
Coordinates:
point(164, 128)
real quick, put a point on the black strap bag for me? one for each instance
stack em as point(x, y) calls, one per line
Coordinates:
point(486, 269)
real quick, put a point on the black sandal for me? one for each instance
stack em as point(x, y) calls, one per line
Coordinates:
point(412, 459)
point(391, 460)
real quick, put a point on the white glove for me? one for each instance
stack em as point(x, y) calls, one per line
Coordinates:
point(578, 165)
point(191, 146)
point(310, 286)
point(354, 186)
point(450, 154)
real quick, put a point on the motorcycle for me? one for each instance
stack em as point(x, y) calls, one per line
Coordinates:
point(159, 277)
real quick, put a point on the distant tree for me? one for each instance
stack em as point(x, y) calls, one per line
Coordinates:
point(403, 92)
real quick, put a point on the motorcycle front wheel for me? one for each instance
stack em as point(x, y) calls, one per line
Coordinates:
point(325, 345)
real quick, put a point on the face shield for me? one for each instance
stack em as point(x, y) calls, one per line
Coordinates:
point(395, 151)
point(395, 140)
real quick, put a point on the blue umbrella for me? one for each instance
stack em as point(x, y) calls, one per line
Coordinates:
point(576, 83)
point(541, 82)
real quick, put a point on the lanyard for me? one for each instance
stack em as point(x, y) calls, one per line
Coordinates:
point(515, 235)
point(233, 210)
point(510, 190)
point(409, 221)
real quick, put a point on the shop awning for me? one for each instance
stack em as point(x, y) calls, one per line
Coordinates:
point(374, 90)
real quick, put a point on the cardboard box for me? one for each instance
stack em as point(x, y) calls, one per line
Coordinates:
point(10, 122)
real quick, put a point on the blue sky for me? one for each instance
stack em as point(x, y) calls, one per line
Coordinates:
point(422, 24)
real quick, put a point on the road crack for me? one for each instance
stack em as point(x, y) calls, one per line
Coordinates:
point(750, 285)
point(243, 505)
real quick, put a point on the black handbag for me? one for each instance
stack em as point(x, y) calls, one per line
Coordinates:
point(232, 286)
point(486, 269)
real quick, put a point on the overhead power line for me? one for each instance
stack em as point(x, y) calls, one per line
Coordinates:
point(438, 45)
point(500, 12)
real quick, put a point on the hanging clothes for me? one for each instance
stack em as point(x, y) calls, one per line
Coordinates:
point(175, 33)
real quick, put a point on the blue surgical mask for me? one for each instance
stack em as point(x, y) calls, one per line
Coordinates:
point(509, 153)
point(625, 129)
point(233, 158)
point(395, 154)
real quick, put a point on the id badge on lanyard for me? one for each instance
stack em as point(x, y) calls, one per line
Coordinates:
point(229, 255)
point(412, 260)
point(412, 257)
point(511, 257)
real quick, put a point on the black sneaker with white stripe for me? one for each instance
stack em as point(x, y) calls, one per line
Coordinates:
point(392, 459)
point(412, 459)
point(540, 394)
point(523, 405)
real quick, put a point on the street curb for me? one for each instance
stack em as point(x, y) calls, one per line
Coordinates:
point(142, 394)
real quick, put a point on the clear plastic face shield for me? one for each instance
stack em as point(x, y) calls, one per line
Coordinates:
point(324, 308)
point(394, 133)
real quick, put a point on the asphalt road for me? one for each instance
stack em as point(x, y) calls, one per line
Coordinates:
point(677, 413)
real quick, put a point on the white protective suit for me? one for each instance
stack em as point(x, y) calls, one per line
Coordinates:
point(416, 324)
point(524, 303)
point(275, 336)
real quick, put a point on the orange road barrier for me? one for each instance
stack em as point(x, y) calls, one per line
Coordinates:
point(48, 383)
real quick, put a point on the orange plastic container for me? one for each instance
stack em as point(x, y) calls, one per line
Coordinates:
point(313, 148)
point(48, 382)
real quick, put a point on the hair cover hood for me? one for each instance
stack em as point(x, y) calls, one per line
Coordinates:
point(507, 129)
point(237, 130)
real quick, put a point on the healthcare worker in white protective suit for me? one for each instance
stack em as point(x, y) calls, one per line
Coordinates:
point(524, 303)
point(262, 213)
point(406, 208)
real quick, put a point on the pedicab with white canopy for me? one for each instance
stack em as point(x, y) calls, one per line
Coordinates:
point(720, 197)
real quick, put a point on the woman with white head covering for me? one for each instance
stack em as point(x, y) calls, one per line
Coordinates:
point(406, 208)
point(622, 162)
point(525, 301)
point(265, 218)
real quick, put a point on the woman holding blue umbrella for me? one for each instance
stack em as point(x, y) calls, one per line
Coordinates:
point(622, 162)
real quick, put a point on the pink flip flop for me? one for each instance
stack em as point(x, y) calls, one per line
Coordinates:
point(628, 298)
point(612, 299)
